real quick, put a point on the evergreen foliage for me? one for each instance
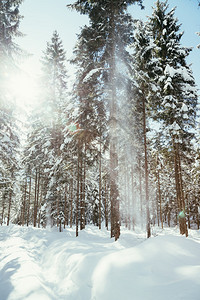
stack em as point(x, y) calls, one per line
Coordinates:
point(9, 131)
point(174, 102)
point(121, 146)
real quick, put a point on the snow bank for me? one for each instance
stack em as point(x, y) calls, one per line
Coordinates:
point(47, 265)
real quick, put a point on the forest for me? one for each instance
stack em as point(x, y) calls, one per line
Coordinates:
point(121, 147)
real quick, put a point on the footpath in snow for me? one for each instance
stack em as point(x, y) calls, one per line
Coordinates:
point(38, 264)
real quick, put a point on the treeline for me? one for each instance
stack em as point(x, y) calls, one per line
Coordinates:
point(121, 146)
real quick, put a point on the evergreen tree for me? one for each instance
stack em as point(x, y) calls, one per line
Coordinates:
point(43, 151)
point(55, 97)
point(175, 100)
point(9, 29)
point(143, 73)
point(9, 139)
point(109, 33)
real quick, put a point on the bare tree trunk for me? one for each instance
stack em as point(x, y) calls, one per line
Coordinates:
point(100, 187)
point(157, 208)
point(128, 197)
point(78, 187)
point(84, 187)
point(40, 205)
point(182, 195)
point(114, 194)
point(159, 193)
point(133, 198)
point(197, 213)
point(82, 217)
point(65, 208)
point(9, 207)
point(3, 208)
point(198, 222)
point(106, 205)
point(58, 207)
point(29, 201)
point(111, 214)
point(71, 202)
point(35, 199)
point(140, 189)
point(179, 190)
point(24, 202)
point(168, 217)
point(146, 170)
point(125, 195)
point(187, 210)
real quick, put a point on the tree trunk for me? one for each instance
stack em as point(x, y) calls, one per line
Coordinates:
point(82, 216)
point(39, 205)
point(9, 207)
point(66, 211)
point(128, 198)
point(169, 217)
point(114, 194)
point(140, 189)
point(146, 170)
point(100, 187)
point(35, 199)
point(3, 207)
point(125, 195)
point(157, 208)
point(106, 205)
point(58, 207)
point(133, 198)
point(159, 193)
point(29, 201)
point(188, 211)
point(197, 213)
point(78, 187)
point(24, 202)
point(84, 188)
point(71, 202)
point(179, 190)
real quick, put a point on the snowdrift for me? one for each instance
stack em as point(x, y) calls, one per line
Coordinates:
point(47, 265)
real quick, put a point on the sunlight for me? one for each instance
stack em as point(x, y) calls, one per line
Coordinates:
point(23, 88)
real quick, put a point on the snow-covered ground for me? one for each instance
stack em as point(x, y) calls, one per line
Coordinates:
point(38, 264)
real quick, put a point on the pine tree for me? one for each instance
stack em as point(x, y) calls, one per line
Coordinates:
point(9, 145)
point(143, 74)
point(9, 29)
point(43, 151)
point(55, 96)
point(91, 113)
point(175, 101)
point(110, 33)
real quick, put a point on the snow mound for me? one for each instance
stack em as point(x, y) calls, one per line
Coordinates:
point(47, 265)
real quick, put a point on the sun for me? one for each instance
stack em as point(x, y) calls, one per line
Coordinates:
point(23, 88)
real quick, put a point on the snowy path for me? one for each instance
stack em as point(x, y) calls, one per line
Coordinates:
point(38, 264)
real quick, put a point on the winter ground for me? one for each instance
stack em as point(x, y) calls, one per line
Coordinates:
point(38, 264)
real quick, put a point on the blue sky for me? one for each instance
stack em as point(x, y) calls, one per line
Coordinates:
point(42, 17)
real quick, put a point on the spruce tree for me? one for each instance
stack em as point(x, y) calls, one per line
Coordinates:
point(9, 145)
point(175, 100)
point(43, 153)
point(55, 96)
point(143, 67)
point(110, 31)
